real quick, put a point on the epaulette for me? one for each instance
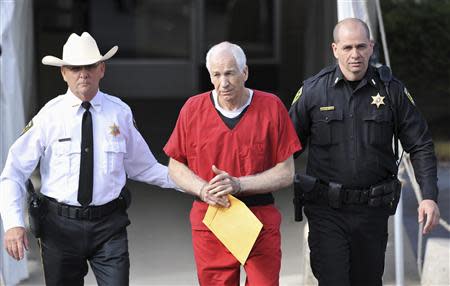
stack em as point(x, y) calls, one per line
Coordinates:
point(53, 101)
point(396, 80)
point(309, 81)
point(323, 72)
point(117, 101)
point(403, 90)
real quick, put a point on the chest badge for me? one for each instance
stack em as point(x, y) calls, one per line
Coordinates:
point(378, 100)
point(114, 130)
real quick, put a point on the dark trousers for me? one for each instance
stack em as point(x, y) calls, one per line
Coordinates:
point(347, 245)
point(67, 244)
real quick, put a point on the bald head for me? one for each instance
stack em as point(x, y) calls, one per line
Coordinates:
point(352, 48)
point(350, 24)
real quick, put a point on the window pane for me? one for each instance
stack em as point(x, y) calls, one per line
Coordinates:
point(142, 28)
point(248, 23)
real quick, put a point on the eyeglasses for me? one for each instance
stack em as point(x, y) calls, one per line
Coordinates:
point(79, 68)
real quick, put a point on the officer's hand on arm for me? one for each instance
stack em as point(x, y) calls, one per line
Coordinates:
point(15, 242)
point(429, 209)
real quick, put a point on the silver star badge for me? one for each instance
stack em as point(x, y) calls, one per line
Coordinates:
point(378, 100)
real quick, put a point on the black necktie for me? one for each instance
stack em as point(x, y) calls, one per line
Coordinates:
point(86, 180)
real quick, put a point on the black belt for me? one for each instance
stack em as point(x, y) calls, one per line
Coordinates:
point(81, 213)
point(254, 200)
point(352, 196)
point(347, 196)
point(257, 200)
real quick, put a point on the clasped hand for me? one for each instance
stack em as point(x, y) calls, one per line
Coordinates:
point(216, 191)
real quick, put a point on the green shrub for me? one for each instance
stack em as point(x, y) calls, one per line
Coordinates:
point(418, 36)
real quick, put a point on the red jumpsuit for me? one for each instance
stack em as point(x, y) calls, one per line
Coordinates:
point(262, 138)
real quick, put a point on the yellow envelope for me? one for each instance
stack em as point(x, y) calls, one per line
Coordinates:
point(236, 227)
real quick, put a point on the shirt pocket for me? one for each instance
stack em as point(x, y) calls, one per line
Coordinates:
point(67, 158)
point(114, 155)
point(60, 163)
point(326, 127)
point(378, 128)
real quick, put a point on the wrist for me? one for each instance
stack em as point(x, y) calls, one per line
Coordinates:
point(201, 192)
point(238, 190)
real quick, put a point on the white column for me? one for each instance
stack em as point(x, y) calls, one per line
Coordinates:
point(16, 81)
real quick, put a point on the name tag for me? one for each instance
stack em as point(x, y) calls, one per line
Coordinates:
point(326, 108)
point(64, 139)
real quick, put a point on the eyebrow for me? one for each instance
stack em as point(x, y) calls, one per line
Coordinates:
point(360, 45)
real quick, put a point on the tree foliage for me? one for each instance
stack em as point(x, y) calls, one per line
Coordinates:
point(418, 36)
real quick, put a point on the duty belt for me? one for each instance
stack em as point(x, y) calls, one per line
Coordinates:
point(383, 194)
point(345, 196)
point(81, 213)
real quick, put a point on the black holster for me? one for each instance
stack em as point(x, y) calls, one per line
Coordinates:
point(36, 210)
point(125, 199)
point(303, 184)
point(385, 195)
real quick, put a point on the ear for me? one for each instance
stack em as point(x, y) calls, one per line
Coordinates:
point(334, 47)
point(102, 68)
point(63, 73)
point(371, 45)
point(245, 73)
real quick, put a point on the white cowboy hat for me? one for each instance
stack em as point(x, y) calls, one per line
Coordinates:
point(79, 51)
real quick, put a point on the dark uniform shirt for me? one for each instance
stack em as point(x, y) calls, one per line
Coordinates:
point(350, 130)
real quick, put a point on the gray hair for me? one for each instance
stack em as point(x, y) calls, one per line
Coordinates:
point(235, 50)
point(350, 20)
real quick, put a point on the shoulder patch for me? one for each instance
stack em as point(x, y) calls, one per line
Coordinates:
point(409, 96)
point(297, 95)
point(28, 126)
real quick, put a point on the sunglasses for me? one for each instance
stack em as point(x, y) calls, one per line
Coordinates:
point(79, 68)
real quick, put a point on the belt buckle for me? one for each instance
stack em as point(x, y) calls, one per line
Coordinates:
point(84, 213)
point(354, 196)
point(62, 210)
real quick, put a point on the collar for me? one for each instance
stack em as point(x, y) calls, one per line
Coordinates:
point(74, 102)
point(234, 113)
point(369, 77)
point(337, 76)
